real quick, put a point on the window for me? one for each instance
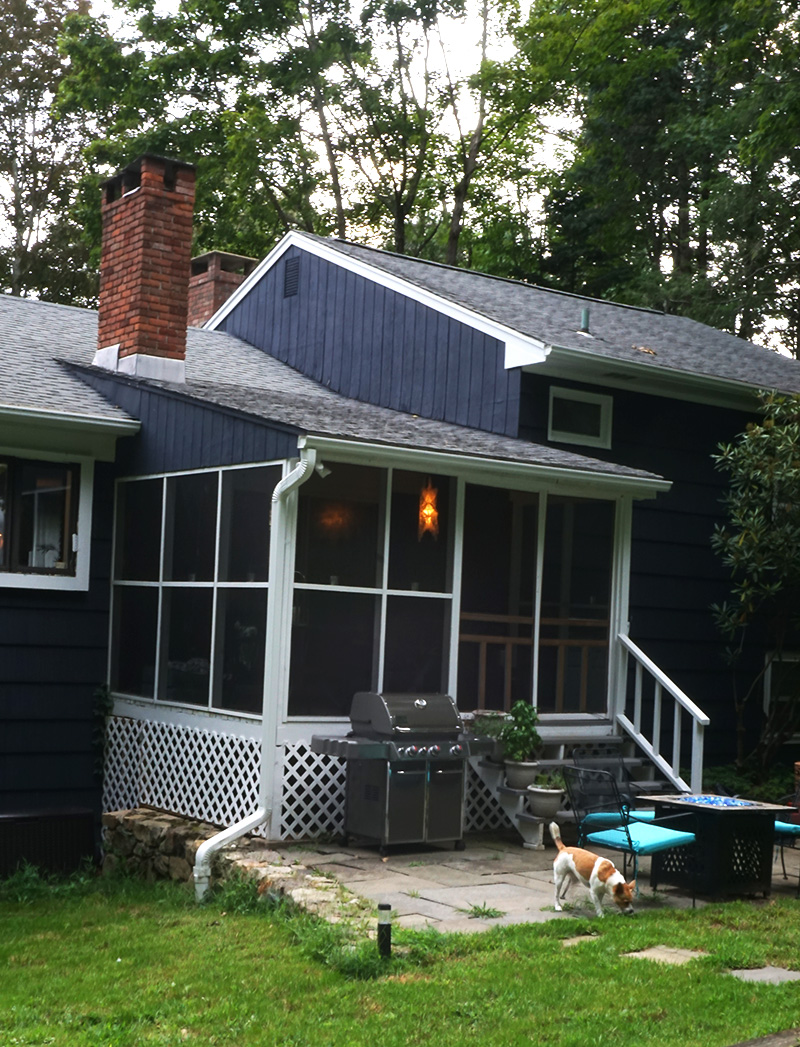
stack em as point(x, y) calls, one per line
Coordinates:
point(577, 417)
point(39, 517)
point(191, 587)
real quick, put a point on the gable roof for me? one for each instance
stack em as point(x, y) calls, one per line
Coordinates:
point(45, 349)
point(667, 354)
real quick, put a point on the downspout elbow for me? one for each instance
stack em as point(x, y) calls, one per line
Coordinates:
point(207, 849)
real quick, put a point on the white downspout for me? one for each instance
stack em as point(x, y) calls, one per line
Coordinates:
point(273, 660)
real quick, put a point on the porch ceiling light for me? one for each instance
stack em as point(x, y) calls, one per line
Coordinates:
point(428, 511)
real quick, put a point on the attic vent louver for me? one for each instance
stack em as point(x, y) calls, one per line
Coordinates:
point(291, 277)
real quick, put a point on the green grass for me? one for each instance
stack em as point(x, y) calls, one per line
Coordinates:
point(118, 963)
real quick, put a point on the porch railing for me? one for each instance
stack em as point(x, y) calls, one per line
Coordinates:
point(650, 717)
point(556, 634)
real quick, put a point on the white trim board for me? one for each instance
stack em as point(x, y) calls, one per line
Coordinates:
point(520, 349)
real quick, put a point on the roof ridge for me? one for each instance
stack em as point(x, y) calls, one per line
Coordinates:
point(486, 276)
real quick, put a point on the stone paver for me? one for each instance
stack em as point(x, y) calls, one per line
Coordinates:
point(767, 975)
point(666, 954)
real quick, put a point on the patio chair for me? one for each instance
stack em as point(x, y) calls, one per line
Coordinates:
point(595, 800)
point(788, 833)
point(609, 758)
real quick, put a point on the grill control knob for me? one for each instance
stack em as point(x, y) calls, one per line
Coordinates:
point(434, 750)
point(456, 750)
point(410, 750)
point(422, 751)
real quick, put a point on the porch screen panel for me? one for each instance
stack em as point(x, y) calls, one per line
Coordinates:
point(241, 627)
point(333, 650)
point(420, 557)
point(339, 527)
point(495, 666)
point(576, 592)
point(133, 645)
point(417, 636)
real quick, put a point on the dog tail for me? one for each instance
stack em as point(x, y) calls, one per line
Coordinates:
point(555, 832)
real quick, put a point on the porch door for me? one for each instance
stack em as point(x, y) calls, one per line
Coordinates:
point(535, 594)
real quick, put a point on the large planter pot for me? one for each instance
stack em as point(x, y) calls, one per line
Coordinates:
point(521, 773)
point(544, 803)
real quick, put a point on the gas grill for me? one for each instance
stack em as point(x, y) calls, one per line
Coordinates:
point(406, 757)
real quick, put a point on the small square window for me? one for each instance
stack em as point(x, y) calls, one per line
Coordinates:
point(577, 417)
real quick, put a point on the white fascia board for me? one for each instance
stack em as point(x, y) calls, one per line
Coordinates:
point(495, 472)
point(649, 378)
point(520, 349)
point(41, 429)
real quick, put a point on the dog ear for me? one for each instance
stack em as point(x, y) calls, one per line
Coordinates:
point(632, 885)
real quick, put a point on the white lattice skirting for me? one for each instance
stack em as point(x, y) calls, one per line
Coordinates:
point(214, 777)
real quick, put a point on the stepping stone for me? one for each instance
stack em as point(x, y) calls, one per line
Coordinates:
point(666, 954)
point(767, 975)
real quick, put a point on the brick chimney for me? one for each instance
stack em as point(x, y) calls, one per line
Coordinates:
point(215, 276)
point(144, 268)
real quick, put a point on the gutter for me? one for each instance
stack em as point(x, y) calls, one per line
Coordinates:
point(530, 475)
point(281, 538)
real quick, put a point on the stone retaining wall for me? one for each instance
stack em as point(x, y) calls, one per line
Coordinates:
point(152, 844)
point(160, 846)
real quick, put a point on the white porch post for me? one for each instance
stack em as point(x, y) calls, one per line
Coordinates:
point(620, 596)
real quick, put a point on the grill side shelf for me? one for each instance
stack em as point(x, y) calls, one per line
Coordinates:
point(349, 748)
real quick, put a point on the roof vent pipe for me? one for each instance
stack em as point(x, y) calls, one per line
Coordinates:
point(584, 328)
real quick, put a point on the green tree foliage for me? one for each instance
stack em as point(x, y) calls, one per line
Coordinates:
point(669, 200)
point(41, 250)
point(760, 544)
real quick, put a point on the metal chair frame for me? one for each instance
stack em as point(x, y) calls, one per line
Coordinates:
point(595, 797)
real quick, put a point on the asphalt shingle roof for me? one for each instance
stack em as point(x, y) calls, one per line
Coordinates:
point(37, 340)
point(619, 332)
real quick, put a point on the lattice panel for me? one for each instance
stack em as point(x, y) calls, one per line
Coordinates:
point(313, 794)
point(122, 764)
point(191, 772)
point(484, 812)
point(214, 777)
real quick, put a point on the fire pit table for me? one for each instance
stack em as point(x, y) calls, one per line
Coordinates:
point(734, 845)
point(406, 757)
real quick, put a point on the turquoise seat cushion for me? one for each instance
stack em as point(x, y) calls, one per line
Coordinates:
point(645, 838)
point(787, 829)
point(611, 819)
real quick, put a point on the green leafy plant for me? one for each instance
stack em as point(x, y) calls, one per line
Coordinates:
point(521, 740)
point(483, 912)
point(551, 780)
point(760, 545)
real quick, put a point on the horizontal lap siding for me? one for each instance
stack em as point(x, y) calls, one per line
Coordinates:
point(373, 344)
point(675, 575)
point(53, 656)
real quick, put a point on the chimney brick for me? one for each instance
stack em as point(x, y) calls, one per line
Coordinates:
point(214, 278)
point(144, 268)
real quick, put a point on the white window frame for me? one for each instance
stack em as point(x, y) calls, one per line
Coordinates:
point(604, 402)
point(78, 582)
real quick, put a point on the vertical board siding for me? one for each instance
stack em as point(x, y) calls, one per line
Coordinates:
point(180, 434)
point(373, 344)
point(675, 575)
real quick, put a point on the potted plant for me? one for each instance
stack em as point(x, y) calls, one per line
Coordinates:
point(546, 794)
point(488, 723)
point(521, 745)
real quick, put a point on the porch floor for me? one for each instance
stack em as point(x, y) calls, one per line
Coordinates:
point(433, 887)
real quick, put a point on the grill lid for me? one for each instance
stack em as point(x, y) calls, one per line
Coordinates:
point(397, 715)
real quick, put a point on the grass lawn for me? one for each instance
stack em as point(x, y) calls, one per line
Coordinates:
point(117, 962)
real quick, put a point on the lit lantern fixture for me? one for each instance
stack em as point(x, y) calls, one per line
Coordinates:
point(336, 518)
point(428, 512)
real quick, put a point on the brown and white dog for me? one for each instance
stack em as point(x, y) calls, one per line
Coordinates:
point(598, 874)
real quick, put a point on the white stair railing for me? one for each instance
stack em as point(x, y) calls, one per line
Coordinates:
point(662, 686)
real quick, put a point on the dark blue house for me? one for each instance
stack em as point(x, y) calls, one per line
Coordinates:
point(365, 472)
